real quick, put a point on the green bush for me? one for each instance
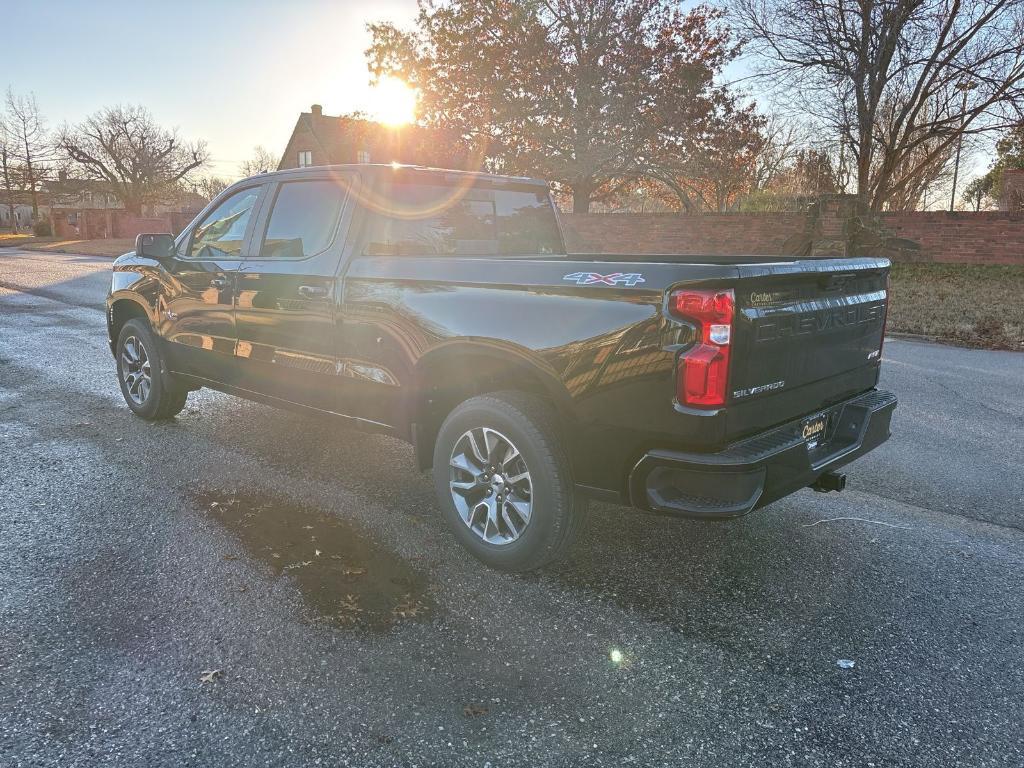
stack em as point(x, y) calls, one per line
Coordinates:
point(42, 228)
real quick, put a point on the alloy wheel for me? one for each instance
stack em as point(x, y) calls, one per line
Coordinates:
point(135, 370)
point(491, 485)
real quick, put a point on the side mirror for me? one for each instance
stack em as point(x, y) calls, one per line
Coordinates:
point(157, 247)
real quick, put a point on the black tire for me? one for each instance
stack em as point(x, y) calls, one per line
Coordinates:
point(164, 398)
point(557, 514)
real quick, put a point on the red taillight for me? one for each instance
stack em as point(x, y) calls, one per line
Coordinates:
point(885, 317)
point(702, 372)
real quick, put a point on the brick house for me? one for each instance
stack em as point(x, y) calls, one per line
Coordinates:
point(319, 139)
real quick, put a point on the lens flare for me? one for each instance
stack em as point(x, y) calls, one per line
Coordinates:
point(393, 102)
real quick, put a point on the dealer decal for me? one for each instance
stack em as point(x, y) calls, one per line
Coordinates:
point(615, 278)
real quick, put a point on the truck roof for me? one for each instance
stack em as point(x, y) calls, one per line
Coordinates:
point(378, 169)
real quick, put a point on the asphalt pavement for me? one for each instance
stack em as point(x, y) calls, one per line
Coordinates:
point(243, 586)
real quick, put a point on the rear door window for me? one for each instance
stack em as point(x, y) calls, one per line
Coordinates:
point(303, 220)
point(413, 219)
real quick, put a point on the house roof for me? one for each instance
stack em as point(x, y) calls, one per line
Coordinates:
point(337, 138)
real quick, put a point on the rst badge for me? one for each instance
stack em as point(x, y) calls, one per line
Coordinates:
point(615, 278)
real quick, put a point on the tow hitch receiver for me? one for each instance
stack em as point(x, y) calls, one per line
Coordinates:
point(830, 481)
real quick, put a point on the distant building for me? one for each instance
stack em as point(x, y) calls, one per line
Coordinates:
point(319, 139)
point(1011, 196)
point(86, 209)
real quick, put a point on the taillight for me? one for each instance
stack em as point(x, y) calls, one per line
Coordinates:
point(702, 372)
point(885, 316)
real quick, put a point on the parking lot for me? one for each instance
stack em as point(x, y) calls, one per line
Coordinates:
point(244, 586)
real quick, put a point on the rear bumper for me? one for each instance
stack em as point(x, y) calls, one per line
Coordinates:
point(760, 469)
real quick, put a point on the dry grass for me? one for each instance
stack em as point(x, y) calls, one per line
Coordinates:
point(968, 304)
point(9, 238)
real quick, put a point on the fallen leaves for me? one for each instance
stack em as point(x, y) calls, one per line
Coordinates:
point(349, 609)
point(408, 608)
point(475, 710)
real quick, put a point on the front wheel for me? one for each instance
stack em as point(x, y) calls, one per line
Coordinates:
point(505, 483)
point(146, 388)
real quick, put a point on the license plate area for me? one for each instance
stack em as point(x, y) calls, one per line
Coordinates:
point(814, 430)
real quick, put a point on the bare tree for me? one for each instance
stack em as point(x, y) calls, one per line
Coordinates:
point(779, 148)
point(9, 169)
point(30, 142)
point(899, 82)
point(136, 160)
point(262, 160)
point(209, 186)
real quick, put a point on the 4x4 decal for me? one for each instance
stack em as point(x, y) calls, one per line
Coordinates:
point(615, 278)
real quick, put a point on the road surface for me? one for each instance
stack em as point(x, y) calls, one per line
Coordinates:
point(336, 622)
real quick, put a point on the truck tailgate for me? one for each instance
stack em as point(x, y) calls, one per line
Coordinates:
point(807, 334)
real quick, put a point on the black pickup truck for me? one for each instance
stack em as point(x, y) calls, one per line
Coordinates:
point(442, 308)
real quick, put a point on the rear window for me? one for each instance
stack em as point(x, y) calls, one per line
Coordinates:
point(410, 219)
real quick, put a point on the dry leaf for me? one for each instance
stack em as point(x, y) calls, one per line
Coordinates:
point(408, 608)
point(209, 675)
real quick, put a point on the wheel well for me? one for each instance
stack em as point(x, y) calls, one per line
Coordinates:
point(121, 312)
point(446, 384)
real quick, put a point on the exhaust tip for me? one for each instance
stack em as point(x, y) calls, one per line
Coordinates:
point(830, 481)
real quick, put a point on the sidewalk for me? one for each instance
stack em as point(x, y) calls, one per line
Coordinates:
point(111, 247)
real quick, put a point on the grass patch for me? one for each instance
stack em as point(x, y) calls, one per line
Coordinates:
point(10, 238)
point(970, 304)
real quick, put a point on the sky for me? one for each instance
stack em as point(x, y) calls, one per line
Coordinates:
point(234, 73)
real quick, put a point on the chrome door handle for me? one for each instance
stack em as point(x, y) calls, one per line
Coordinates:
point(312, 291)
point(220, 282)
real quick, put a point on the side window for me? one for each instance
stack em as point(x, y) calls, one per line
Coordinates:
point(221, 233)
point(433, 220)
point(303, 220)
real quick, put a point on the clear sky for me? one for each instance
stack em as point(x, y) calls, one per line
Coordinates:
point(234, 73)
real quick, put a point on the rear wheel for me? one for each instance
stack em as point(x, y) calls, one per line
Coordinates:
point(146, 387)
point(504, 481)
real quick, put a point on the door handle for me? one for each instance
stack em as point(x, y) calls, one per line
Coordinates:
point(220, 282)
point(312, 291)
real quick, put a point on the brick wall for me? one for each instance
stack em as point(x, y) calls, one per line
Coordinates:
point(712, 234)
point(99, 223)
point(987, 237)
point(1011, 196)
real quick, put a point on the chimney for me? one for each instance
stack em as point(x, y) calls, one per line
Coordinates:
point(317, 110)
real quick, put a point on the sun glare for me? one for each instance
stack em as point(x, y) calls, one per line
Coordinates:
point(394, 101)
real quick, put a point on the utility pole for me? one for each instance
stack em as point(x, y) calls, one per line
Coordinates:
point(964, 86)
